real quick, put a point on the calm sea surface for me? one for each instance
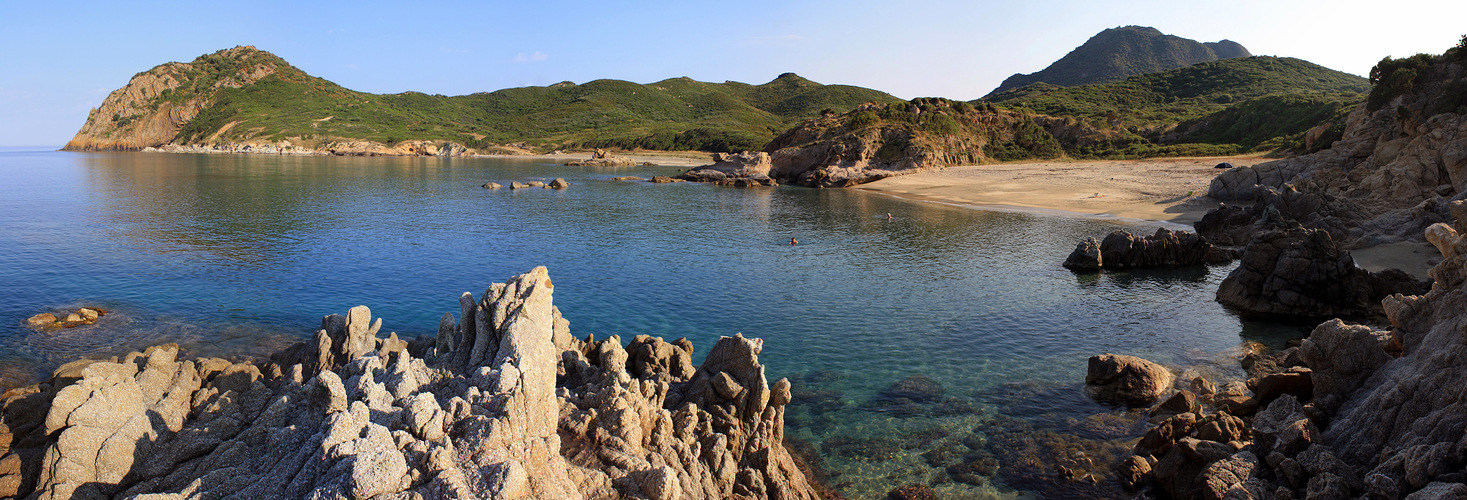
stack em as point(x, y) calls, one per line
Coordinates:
point(944, 347)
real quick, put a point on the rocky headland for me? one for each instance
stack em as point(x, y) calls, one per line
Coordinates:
point(502, 403)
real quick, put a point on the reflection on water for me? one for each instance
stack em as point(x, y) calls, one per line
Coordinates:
point(944, 346)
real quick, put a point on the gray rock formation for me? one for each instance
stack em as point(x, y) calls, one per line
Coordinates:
point(1290, 270)
point(503, 403)
point(1166, 248)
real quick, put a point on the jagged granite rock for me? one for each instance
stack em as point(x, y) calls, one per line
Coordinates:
point(1126, 379)
point(502, 403)
point(1288, 269)
point(1165, 248)
point(749, 168)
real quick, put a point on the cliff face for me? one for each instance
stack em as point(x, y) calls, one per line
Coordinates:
point(153, 106)
point(502, 403)
point(1117, 53)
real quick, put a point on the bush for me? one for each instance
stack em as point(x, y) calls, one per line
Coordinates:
point(1395, 77)
point(861, 119)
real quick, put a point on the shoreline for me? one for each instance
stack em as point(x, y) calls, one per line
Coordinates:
point(1166, 190)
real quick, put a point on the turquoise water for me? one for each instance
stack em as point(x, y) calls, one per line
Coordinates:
point(237, 255)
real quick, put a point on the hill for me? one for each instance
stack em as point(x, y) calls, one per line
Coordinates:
point(1253, 102)
point(248, 97)
point(1118, 53)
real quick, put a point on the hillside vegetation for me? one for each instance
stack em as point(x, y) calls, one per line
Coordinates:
point(1219, 107)
point(1118, 53)
point(283, 103)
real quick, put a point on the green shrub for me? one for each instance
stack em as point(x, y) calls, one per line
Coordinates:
point(1395, 77)
point(941, 124)
point(862, 119)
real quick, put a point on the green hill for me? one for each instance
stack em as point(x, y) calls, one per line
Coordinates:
point(1254, 102)
point(1118, 53)
point(247, 95)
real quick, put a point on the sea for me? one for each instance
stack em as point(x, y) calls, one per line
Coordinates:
point(945, 346)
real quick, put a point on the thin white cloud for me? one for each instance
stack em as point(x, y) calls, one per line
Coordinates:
point(536, 56)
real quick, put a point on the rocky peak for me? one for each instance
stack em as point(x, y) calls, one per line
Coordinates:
point(1117, 53)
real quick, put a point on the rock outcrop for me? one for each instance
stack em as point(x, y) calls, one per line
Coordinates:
point(502, 403)
point(749, 168)
point(1380, 417)
point(603, 158)
point(1165, 248)
point(1290, 270)
point(1387, 179)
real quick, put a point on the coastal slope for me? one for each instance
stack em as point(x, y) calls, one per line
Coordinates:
point(1117, 53)
point(248, 100)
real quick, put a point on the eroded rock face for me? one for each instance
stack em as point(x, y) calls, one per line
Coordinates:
point(1165, 248)
point(502, 403)
point(735, 169)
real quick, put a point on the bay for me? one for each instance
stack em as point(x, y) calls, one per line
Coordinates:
point(232, 255)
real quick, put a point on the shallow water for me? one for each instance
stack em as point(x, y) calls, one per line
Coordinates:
point(232, 255)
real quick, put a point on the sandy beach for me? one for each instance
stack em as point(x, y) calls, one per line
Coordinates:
point(1163, 189)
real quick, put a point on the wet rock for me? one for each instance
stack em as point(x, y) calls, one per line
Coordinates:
point(663, 179)
point(1165, 248)
point(1181, 402)
point(518, 185)
point(558, 183)
point(43, 319)
point(492, 185)
point(1126, 379)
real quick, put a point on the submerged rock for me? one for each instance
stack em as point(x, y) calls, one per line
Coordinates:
point(502, 403)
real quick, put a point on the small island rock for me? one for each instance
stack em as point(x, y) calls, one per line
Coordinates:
point(1126, 379)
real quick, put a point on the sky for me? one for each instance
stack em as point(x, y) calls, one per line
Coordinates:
point(60, 59)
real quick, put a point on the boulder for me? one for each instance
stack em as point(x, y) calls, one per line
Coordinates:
point(1126, 379)
point(43, 319)
point(558, 183)
point(492, 185)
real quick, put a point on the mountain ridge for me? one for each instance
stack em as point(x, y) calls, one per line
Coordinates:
point(246, 97)
point(1117, 53)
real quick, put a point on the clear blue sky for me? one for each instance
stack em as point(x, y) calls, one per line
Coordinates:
point(59, 59)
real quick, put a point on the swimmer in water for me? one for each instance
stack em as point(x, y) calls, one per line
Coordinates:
point(794, 241)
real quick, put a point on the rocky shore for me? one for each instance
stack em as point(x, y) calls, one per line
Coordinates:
point(502, 403)
point(1351, 412)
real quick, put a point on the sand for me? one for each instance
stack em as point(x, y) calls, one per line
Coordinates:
point(1165, 189)
point(1170, 190)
